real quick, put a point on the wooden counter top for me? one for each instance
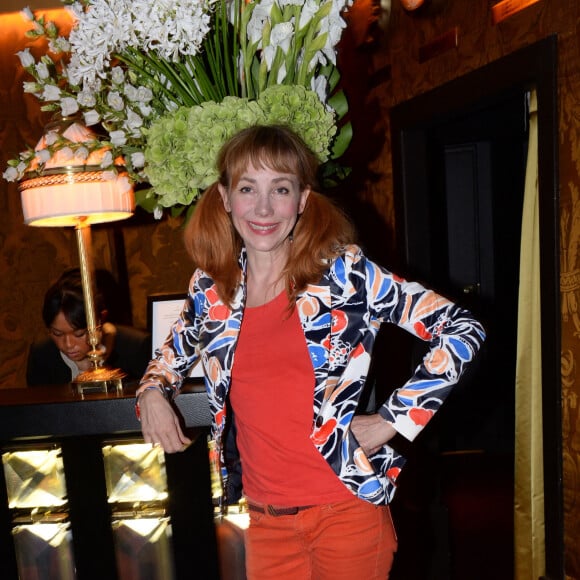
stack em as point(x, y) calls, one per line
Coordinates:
point(59, 410)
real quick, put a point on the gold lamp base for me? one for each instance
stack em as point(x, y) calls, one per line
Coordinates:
point(100, 380)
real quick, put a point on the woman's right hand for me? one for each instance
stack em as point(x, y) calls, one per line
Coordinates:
point(159, 423)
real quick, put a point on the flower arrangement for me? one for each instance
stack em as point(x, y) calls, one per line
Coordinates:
point(168, 82)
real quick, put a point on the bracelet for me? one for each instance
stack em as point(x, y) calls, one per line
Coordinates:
point(137, 407)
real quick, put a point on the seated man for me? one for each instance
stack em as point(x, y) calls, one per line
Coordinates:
point(59, 358)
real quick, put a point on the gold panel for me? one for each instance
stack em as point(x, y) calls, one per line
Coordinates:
point(143, 549)
point(135, 473)
point(34, 478)
point(44, 551)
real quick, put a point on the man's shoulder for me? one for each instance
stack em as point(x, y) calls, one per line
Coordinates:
point(43, 345)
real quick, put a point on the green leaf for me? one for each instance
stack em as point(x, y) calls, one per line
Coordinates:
point(339, 103)
point(342, 141)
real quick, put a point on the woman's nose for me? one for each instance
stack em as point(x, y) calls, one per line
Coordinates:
point(263, 205)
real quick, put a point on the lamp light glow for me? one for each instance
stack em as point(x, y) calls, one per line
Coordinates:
point(72, 182)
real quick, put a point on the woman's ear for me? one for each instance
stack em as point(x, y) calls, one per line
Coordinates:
point(225, 197)
point(303, 198)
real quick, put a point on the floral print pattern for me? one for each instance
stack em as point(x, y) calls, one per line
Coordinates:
point(340, 316)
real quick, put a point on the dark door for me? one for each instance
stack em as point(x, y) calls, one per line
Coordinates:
point(459, 163)
point(468, 248)
point(462, 228)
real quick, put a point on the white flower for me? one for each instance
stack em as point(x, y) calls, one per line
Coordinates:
point(51, 93)
point(308, 11)
point(258, 19)
point(107, 159)
point(86, 98)
point(146, 110)
point(130, 92)
point(11, 174)
point(82, 153)
point(41, 70)
point(281, 36)
point(69, 106)
point(144, 94)
point(117, 75)
point(319, 85)
point(115, 101)
point(118, 138)
point(169, 27)
point(27, 14)
point(30, 87)
point(58, 45)
point(26, 59)
point(138, 159)
point(281, 74)
point(65, 154)
point(134, 121)
point(158, 212)
point(51, 138)
point(91, 118)
point(43, 155)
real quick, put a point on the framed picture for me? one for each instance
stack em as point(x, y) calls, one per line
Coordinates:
point(162, 311)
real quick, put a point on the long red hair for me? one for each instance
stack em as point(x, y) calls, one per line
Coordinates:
point(320, 234)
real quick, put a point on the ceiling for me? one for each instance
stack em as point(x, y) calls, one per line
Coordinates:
point(17, 5)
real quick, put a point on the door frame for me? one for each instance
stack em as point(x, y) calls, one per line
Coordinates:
point(533, 66)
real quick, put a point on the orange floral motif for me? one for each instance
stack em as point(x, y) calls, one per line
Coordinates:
point(211, 295)
point(438, 362)
point(321, 435)
point(213, 369)
point(339, 320)
point(361, 461)
point(219, 312)
point(421, 331)
point(429, 303)
point(393, 473)
point(420, 416)
point(309, 306)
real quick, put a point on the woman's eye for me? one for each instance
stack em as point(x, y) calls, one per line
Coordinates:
point(282, 191)
point(245, 189)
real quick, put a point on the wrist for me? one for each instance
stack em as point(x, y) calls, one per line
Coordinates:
point(140, 395)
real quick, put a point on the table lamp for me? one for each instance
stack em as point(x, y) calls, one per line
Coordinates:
point(67, 186)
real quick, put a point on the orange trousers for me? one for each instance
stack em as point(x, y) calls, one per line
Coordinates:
point(348, 540)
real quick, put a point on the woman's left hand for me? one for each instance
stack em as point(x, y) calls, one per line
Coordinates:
point(372, 432)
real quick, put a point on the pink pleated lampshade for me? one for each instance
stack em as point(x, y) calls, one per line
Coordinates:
point(71, 185)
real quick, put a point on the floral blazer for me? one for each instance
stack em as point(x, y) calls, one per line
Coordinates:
point(340, 316)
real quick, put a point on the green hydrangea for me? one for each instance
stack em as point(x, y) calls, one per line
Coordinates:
point(182, 146)
point(300, 110)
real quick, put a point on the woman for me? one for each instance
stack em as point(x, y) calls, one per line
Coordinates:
point(283, 311)
point(61, 357)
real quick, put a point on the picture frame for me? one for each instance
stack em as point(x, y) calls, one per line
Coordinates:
point(163, 309)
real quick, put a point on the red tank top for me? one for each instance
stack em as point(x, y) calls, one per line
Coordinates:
point(272, 397)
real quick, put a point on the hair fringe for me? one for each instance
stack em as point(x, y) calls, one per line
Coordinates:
point(320, 234)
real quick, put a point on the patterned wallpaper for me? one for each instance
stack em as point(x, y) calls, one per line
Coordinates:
point(381, 69)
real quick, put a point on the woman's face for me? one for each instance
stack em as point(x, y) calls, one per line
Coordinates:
point(72, 342)
point(264, 206)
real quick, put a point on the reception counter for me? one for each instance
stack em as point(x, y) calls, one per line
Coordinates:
point(79, 429)
point(59, 410)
